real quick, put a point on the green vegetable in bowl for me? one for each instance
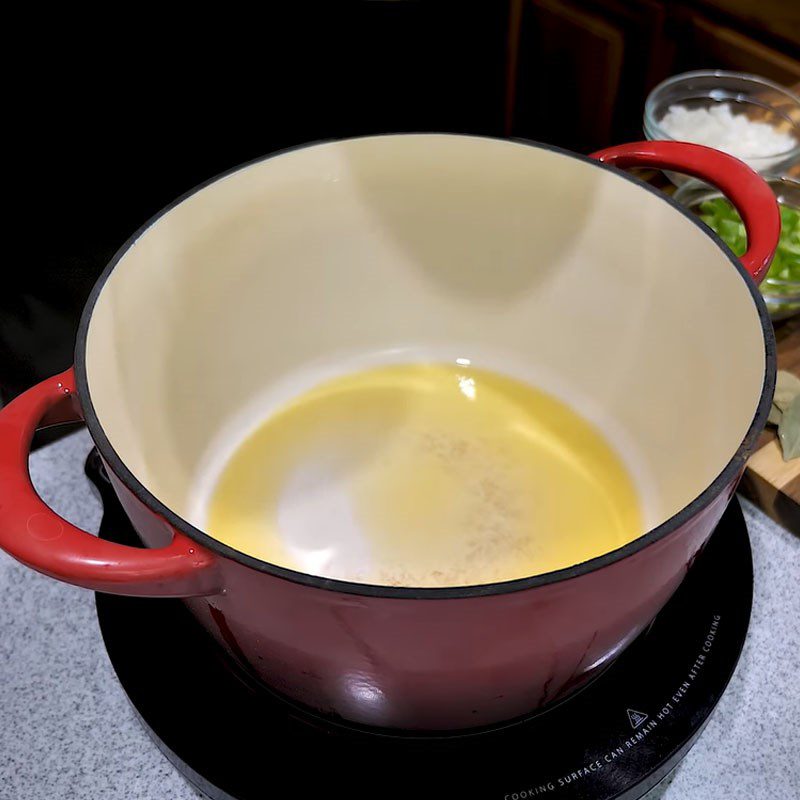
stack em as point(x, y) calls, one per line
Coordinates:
point(722, 217)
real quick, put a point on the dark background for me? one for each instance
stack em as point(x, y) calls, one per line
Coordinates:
point(116, 114)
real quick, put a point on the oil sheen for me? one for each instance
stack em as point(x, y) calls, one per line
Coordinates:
point(424, 475)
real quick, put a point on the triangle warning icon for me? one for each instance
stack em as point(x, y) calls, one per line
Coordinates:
point(636, 718)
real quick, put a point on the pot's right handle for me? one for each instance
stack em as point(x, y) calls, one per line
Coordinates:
point(744, 187)
point(34, 534)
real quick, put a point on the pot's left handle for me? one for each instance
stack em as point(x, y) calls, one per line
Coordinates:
point(34, 534)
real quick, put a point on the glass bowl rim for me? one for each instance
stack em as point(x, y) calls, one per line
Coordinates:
point(651, 126)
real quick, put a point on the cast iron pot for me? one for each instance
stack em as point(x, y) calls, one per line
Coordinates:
point(603, 286)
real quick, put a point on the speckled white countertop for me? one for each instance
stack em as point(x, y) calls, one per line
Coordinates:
point(67, 731)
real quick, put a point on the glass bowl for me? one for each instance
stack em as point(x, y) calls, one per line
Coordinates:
point(781, 296)
point(761, 100)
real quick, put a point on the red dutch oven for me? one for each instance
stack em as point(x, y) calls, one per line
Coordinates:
point(564, 262)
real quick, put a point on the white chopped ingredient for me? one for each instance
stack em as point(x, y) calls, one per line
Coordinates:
point(720, 128)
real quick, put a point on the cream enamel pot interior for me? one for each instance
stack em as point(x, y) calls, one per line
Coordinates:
point(468, 246)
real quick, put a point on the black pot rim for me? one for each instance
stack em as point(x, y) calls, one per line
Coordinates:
point(728, 475)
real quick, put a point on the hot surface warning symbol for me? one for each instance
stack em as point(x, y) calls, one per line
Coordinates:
point(636, 718)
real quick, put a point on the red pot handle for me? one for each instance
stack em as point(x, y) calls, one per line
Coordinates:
point(34, 534)
point(744, 187)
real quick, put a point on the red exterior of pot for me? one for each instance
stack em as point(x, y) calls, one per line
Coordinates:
point(430, 663)
point(413, 659)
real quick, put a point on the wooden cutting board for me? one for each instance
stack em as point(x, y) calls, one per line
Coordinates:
point(770, 482)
